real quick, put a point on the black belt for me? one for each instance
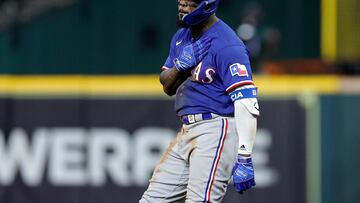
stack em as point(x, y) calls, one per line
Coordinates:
point(193, 118)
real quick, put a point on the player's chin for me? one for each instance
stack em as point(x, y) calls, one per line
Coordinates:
point(181, 24)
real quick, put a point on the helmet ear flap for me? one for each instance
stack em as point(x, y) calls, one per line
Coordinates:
point(200, 14)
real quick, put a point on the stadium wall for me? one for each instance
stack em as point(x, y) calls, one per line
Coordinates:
point(97, 138)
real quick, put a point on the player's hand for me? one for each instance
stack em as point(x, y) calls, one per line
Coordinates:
point(192, 54)
point(243, 174)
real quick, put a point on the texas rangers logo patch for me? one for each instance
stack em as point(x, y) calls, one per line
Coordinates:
point(238, 69)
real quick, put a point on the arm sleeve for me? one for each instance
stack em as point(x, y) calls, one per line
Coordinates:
point(234, 67)
point(246, 124)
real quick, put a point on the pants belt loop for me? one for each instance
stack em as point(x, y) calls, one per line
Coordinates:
point(198, 117)
point(191, 118)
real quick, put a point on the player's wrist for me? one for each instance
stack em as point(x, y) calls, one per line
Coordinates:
point(244, 156)
point(244, 159)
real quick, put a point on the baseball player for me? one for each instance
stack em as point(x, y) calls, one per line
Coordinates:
point(208, 69)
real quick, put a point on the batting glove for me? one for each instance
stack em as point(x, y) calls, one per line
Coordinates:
point(192, 54)
point(243, 174)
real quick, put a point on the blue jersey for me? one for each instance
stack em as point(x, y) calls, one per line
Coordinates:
point(225, 68)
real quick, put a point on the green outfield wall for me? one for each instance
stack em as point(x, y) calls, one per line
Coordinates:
point(340, 148)
point(132, 37)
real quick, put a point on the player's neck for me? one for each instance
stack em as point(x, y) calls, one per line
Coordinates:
point(203, 27)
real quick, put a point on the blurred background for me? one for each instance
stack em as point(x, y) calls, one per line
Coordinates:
point(83, 117)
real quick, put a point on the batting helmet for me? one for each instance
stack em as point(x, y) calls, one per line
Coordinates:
point(201, 13)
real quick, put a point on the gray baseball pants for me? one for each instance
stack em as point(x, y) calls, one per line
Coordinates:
point(197, 165)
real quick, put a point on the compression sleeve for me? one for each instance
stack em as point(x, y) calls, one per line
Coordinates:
point(246, 113)
point(245, 123)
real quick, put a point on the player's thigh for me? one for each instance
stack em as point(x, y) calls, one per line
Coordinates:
point(211, 163)
point(169, 179)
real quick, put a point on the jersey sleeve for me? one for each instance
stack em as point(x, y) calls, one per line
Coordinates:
point(169, 60)
point(168, 64)
point(234, 67)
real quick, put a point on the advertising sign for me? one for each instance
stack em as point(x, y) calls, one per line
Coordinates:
point(104, 150)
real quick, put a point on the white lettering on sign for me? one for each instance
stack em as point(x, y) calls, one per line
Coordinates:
point(95, 156)
point(79, 156)
point(265, 176)
point(109, 153)
point(20, 156)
